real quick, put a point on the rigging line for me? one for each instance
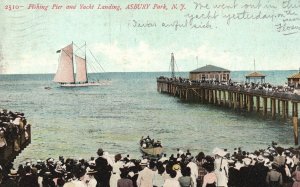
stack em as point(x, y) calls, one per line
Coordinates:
point(95, 72)
point(89, 65)
point(92, 67)
point(69, 55)
point(96, 60)
point(78, 48)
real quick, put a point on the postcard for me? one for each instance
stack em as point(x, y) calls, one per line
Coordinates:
point(93, 75)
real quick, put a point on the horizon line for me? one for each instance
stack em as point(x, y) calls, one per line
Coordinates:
point(137, 72)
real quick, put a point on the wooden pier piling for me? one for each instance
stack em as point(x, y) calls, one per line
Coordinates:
point(257, 104)
point(295, 122)
point(273, 101)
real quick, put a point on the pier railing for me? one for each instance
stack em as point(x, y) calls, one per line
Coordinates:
point(285, 95)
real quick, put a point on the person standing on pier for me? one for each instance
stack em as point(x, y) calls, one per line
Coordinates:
point(103, 170)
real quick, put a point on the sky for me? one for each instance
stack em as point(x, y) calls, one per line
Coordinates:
point(30, 38)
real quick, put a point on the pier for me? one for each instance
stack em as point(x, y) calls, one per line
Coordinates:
point(262, 102)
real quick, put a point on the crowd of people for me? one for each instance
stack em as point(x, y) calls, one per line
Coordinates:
point(271, 167)
point(240, 85)
point(13, 127)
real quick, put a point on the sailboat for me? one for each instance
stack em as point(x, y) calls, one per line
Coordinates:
point(65, 74)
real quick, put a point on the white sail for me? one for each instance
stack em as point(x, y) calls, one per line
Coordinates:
point(65, 71)
point(81, 71)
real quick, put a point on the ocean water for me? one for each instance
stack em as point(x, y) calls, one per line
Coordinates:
point(75, 122)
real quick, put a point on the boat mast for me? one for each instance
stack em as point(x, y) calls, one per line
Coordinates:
point(73, 62)
point(85, 63)
point(59, 59)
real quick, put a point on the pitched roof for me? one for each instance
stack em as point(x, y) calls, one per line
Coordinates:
point(209, 68)
point(255, 74)
point(294, 76)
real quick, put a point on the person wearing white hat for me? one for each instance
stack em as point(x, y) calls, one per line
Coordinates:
point(177, 168)
point(221, 167)
point(12, 179)
point(115, 176)
point(194, 171)
point(239, 163)
point(261, 171)
point(146, 175)
point(91, 178)
point(246, 173)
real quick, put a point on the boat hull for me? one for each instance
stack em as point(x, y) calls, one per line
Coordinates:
point(152, 151)
point(86, 84)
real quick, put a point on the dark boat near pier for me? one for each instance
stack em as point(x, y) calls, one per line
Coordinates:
point(150, 148)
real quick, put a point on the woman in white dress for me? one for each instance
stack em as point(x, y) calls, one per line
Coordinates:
point(221, 167)
point(115, 176)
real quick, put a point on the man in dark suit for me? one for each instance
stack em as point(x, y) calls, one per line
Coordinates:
point(11, 181)
point(103, 170)
point(28, 179)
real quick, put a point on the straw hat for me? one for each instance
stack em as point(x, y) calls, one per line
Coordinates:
point(13, 173)
point(144, 162)
point(247, 161)
point(91, 172)
point(252, 156)
point(176, 167)
point(260, 159)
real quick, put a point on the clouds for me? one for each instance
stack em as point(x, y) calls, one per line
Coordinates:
point(121, 58)
point(143, 57)
point(32, 64)
point(209, 55)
